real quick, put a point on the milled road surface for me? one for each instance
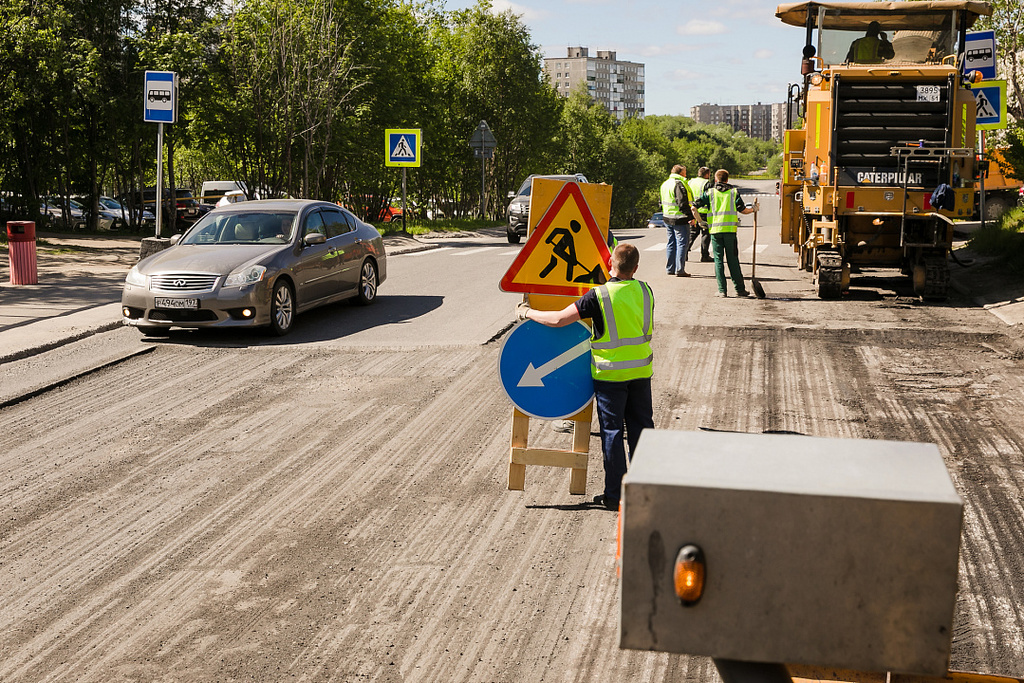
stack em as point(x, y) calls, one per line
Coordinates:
point(333, 508)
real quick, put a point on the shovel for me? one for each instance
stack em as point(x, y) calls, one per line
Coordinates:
point(758, 289)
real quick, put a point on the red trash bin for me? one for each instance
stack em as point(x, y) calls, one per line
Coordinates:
point(21, 248)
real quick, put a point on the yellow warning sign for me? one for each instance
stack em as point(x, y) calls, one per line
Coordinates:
point(566, 253)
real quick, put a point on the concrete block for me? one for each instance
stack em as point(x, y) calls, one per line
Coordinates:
point(831, 552)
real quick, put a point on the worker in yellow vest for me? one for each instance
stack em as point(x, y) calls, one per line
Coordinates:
point(873, 48)
point(622, 313)
point(675, 210)
point(726, 205)
point(697, 185)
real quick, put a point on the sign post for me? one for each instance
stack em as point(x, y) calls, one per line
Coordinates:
point(402, 148)
point(160, 106)
point(990, 99)
point(483, 144)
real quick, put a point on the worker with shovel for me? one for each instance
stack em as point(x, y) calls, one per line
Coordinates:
point(725, 205)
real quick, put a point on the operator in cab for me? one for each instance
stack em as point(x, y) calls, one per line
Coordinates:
point(873, 48)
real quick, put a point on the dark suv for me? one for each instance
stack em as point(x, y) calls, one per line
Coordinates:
point(186, 207)
point(519, 207)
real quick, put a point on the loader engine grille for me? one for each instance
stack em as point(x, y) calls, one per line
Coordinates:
point(872, 117)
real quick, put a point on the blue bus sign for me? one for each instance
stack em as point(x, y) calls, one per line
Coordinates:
point(980, 53)
point(160, 97)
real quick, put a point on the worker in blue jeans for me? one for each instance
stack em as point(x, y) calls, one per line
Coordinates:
point(622, 312)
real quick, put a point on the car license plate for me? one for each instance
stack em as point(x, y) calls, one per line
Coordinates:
point(166, 302)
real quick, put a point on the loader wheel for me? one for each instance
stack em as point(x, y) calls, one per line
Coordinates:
point(936, 279)
point(828, 278)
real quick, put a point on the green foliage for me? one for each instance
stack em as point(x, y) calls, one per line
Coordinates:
point(293, 97)
point(1013, 153)
point(1005, 241)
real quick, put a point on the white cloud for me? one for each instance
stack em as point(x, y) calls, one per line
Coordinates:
point(527, 13)
point(764, 54)
point(649, 51)
point(701, 27)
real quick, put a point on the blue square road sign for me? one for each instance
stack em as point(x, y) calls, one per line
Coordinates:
point(160, 97)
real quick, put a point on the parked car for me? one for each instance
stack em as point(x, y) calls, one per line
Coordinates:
point(187, 209)
point(71, 217)
point(657, 220)
point(212, 191)
point(231, 197)
point(255, 264)
point(519, 207)
point(122, 216)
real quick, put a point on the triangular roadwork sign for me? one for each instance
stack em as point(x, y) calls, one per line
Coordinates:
point(565, 255)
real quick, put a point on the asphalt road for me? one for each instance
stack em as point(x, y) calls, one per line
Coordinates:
point(332, 506)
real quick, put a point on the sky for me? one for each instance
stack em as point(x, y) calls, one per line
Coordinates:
point(715, 51)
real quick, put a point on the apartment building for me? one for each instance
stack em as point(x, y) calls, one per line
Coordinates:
point(618, 85)
point(753, 119)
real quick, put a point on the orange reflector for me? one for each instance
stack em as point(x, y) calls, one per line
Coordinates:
point(689, 574)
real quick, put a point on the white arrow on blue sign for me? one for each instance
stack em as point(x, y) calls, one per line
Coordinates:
point(545, 371)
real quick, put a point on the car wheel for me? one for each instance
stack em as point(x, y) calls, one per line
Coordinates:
point(513, 237)
point(367, 284)
point(282, 308)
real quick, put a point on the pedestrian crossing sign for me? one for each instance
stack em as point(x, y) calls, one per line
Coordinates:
point(990, 98)
point(402, 147)
point(566, 253)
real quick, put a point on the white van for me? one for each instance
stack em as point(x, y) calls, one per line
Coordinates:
point(214, 190)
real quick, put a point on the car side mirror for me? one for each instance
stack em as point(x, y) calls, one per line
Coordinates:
point(314, 238)
point(175, 239)
point(511, 194)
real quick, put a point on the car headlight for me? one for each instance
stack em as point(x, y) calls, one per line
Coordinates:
point(135, 278)
point(246, 276)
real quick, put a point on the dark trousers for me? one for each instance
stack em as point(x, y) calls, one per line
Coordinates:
point(726, 250)
point(701, 231)
point(624, 409)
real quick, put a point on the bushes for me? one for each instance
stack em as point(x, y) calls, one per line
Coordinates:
point(1005, 241)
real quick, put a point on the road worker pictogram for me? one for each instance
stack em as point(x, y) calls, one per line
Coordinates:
point(566, 253)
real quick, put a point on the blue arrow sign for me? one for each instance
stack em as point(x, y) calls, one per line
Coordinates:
point(160, 97)
point(545, 371)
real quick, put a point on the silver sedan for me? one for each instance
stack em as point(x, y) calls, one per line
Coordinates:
point(256, 264)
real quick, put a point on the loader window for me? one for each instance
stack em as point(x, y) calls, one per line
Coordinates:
point(921, 38)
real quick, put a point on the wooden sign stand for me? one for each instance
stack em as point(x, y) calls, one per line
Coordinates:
point(575, 459)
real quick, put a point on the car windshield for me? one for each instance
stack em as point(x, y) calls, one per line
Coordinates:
point(255, 227)
point(109, 203)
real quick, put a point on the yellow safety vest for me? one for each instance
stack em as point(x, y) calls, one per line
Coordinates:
point(669, 208)
point(724, 216)
point(696, 188)
point(623, 351)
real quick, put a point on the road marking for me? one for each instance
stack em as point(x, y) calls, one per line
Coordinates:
point(425, 251)
point(467, 252)
point(657, 247)
point(760, 249)
point(534, 377)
